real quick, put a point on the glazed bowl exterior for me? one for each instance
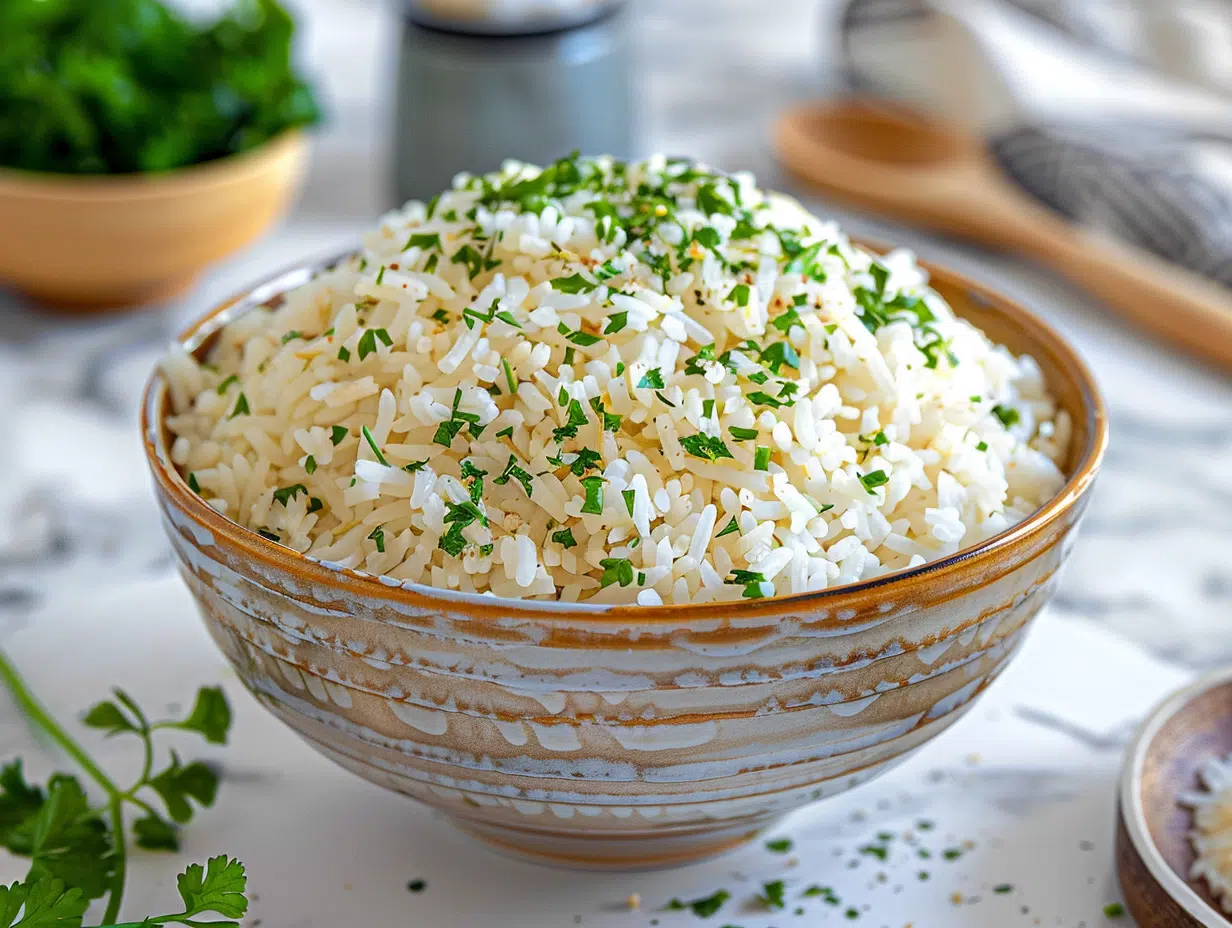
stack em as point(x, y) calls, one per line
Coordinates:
point(110, 241)
point(626, 737)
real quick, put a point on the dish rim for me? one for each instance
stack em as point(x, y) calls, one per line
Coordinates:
point(279, 557)
point(1130, 796)
point(53, 187)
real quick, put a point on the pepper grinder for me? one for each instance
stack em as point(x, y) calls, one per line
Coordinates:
point(480, 81)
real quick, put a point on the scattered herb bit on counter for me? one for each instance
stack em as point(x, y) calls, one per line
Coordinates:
point(952, 853)
point(78, 851)
point(702, 907)
point(852, 914)
point(1114, 910)
point(417, 886)
point(1003, 888)
point(779, 845)
point(772, 894)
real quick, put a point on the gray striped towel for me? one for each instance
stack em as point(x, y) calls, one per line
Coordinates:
point(1115, 113)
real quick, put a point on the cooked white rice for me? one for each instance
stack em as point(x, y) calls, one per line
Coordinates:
point(616, 382)
point(1211, 835)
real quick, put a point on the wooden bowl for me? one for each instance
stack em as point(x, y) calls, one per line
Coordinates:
point(99, 242)
point(1153, 852)
point(630, 736)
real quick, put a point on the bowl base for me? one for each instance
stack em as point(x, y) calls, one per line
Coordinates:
point(617, 854)
point(83, 301)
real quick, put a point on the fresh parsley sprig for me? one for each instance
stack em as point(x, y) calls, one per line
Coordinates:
point(78, 851)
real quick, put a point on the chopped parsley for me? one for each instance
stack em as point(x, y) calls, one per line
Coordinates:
point(441, 315)
point(310, 465)
point(380, 275)
point(292, 335)
point(337, 434)
point(564, 538)
point(367, 341)
point(761, 458)
point(576, 418)
point(611, 421)
point(616, 570)
point(706, 447)
point(423, 240)
point(1007, 415)
point(616, 322)
point(193, 484)
point(780, 845)
point(739, 295)
point(628, 496)
point(750, 580)
point(378, 536)
point(575, 283)
point(515, 471)
point(739, 434)
point(474, 261)
point(509, 378)
point(703, 907)
point(982, 446)
point(730, 527)
point(652, 380)
point(1002, 889)
point(222, 387)
point(241, 407)
point(772, 894)
point(470, 316)
point(1114, 910)
point(584, 339)
point(874, 479)
point(414, 466)
point(372, 444)
point(593, 503)
point(344, 353)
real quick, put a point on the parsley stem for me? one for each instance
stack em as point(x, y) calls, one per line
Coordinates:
point(41, 718)
point(116, 810)
point(38, 715)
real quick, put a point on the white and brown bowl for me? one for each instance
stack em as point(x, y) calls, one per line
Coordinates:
point(626, 737)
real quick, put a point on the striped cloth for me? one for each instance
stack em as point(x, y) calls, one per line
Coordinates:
point(1115, 113)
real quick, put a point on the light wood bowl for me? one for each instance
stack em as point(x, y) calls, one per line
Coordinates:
point(105, 242)
point(1153, 852)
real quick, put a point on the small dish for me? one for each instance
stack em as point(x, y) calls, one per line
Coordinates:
point(1153, 852)
point(626, 737)
point(112, 241)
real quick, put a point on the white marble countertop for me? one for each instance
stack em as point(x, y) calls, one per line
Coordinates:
point(1154, 564)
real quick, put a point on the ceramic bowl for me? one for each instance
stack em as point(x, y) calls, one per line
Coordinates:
point(1153, 852)
point(98, 242)
point(626, 737)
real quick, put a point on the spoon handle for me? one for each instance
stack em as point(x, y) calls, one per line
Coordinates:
point(952, 186)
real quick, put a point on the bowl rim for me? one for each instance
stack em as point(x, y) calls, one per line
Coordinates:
point(198, 177)
point(279, 557)
point(1130, 795)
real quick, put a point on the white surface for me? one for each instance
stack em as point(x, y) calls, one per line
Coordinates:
point(1153, 563)
point(1028, 776)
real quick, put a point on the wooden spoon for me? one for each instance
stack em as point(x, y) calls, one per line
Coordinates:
point(909, 167)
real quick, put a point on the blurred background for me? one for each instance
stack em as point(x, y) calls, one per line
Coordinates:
point(204, 157)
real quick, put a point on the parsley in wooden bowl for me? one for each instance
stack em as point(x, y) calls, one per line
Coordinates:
point(138, 145)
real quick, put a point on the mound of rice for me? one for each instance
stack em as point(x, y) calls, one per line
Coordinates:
point(1211, 835)
point(616, 382)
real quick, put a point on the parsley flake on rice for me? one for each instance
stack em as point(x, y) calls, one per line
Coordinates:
point(668, 378)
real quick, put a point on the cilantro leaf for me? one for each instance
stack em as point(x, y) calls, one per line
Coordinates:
point(706, 447)
point(177, 784)
point(41, 903)
point(575, 283)
point(67, 840)
point(210, 716)
point(218, 887)
point(156, 834)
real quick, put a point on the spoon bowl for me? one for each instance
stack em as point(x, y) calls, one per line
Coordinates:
point(911, 167)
